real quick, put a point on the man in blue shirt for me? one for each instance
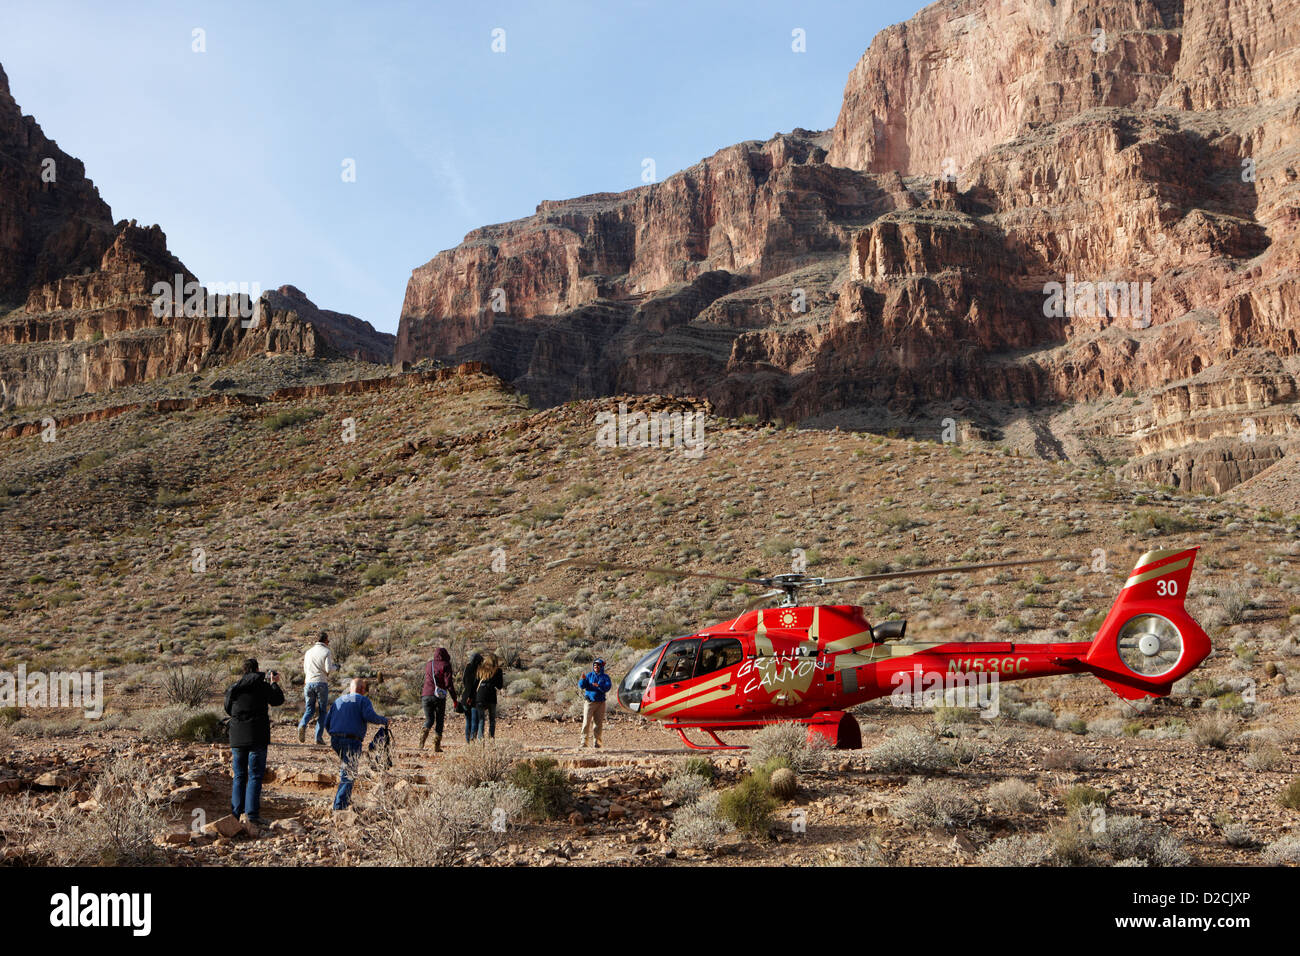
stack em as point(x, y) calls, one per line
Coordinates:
point(595, 685)
point(346, 722)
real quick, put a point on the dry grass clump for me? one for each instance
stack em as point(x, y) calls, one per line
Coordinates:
point(700, 824)
point(487, 761)
point(117, 829)
point(190, 689)
point(911, 750)
point(1212, 730)
point(935, 803)
point(1012, 796)
point(785, 741)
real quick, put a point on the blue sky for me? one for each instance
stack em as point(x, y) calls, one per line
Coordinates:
point(238, 152)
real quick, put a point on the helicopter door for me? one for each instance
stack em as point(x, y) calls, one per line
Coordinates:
point(674, 671)
point(678, 664)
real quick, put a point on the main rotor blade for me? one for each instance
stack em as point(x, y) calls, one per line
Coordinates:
point(607, 566)
point(761, 599)
point(885, 576)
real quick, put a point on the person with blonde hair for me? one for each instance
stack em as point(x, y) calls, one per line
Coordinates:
point(490, 680)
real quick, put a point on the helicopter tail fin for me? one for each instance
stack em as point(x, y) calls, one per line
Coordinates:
point(1148, 640)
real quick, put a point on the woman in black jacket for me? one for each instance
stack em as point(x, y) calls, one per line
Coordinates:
point(490, 680)
point(470, 685)
point(247, 703)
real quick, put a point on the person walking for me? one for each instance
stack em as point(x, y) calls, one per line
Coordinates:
point(469, 690)
point(248, 702)
point(595, 684)
point(490, 680)
point(346, 722)
point(317, 664)
point(438, 685)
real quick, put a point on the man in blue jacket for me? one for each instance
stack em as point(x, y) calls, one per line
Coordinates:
point(346, 722)
point(595, 685)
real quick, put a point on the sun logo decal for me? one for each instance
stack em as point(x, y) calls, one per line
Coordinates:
point(787, 618)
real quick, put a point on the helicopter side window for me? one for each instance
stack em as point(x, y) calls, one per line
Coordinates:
point(718, 653)
point(679, 661)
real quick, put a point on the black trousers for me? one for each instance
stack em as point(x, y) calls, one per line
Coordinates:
point(435, 709)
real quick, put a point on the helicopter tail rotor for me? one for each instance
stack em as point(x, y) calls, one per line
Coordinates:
point(1148, 640)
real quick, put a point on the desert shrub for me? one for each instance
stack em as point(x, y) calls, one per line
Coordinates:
point(700, 824)
point(202, 728)
point(1066, 760)
point(1147, 519)
point(1032, 850)
point(782, 741)
point(909, 749)
point(865, 852)
point(488, 761)
point(546, 786)
point(1012, 796)
point(190, 689)
point(700, 767)
point(1081, 797)
point(685, 788)
point(1128, 838)
point(345, 640)
point(749, 805)
point(1212, 730)
point(1285, 849)
point(1038, 716)
point(1234, 602)
point(10, 715)
point(1264, 754)
point(1238, 835)
point(291, 417)
point(431, 828)
point(935, 803)
point(1290, 795)
point(118, 831)
point(165, 723)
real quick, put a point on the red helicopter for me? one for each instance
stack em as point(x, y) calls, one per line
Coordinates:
point(809, 663)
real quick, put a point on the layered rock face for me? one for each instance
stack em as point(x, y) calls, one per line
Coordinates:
point(79, 302)
point(1024, 201)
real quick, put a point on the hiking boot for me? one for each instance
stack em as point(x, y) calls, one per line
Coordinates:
point(437, 743)
point(258, 822)
point(302, 735)
point(424, 735)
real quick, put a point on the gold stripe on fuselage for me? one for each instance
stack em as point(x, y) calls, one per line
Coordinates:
point(659, 704)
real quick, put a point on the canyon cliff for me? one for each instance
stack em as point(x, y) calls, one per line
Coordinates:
point(78, 308)
point(1024, 204)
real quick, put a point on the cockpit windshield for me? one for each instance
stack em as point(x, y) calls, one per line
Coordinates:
point(638, 679)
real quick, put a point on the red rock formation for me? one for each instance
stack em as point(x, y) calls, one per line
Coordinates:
point(87, 321)
point(985, 149)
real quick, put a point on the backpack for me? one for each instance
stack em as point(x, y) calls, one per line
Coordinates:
point(380, 748)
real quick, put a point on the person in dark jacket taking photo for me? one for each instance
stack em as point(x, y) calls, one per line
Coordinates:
point(248, 702)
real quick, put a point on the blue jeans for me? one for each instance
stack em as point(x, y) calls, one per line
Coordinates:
point(469, 722)
point(248, 766)
point(349, 752)
point(318, 704)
